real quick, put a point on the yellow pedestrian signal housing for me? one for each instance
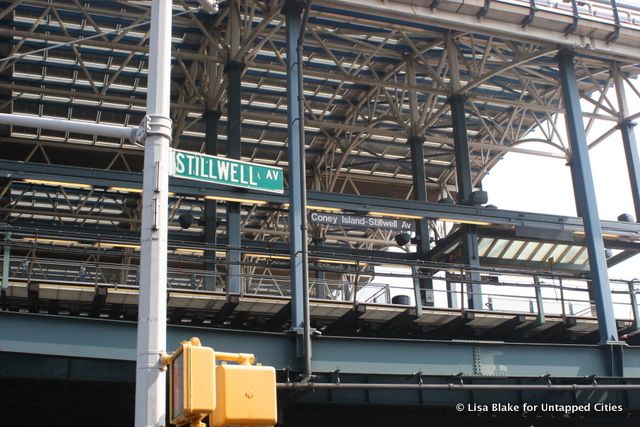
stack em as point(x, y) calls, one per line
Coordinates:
point(192, 383)
point(231, 395)
point(246, 395)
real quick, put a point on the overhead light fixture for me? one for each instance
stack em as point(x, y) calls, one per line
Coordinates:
point(103, 245)
point(267, 256)
point(337, 261)
point(237, 200)
point(610, 235)
point(51, 241)
point(396, 215)
point(57, 183)
point(465, 221)
point(324, 208)
point(188, 251)
point(199, 252)
point(126, 189)
point(316, 208)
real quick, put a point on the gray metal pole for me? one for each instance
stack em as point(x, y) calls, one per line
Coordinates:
point(150, 397)
point(68, 126)
point(626, 127)
point(586, 196)
point(465, 188)
point(300, 318)
point(539, 301)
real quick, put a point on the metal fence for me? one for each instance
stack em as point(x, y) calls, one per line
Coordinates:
point(523, 293)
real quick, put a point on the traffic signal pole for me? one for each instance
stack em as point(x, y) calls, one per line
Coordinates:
point(152, 306)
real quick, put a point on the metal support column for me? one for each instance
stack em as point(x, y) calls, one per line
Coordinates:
point(321, 283)
point(626, 127)
point(416, 148)
point(540, 319)
point(150, 397)
point(297, 184)
point(210, 206)
point(634, 305)
point(234, 73)
point(6, 258)
point(425, 285)
point(452, 295)
point(581, 172)
point(465, 188)
point(234, 68)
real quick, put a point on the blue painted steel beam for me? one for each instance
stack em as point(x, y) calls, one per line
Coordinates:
point(586, 197)
point(633, 162)
point(297, 193)
point(234, 151)
point(210, 206)
point(424, 285)
point(465, 188)
point(101, 178)
point(106, 339)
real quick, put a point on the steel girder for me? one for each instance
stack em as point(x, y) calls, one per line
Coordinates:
point(115, 340)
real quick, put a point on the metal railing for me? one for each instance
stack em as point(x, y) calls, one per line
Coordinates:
point(507, 292)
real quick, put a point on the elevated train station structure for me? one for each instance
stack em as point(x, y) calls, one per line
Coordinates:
point(385, 116)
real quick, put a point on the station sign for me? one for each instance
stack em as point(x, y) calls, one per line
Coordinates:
point(224, 171)
point(359, 221)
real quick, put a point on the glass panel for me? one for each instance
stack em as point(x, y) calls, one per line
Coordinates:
point(483, 245)
point(498, 248)
point(570, 254)
point(513, 249)
point(528, 250)
point(541, 255)
point(557, 252)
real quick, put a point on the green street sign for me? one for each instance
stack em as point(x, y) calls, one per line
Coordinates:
point(220, 170)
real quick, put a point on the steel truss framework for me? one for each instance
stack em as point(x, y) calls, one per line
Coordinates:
point(367, 89)
point(379, 85)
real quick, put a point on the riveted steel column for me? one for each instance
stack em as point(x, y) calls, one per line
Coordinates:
point(416, 148)
point(422, 226)
point(626, 127)
point(234, 73)
point(586, 197)
point(234, 68)
point(210, 206)
point(465, 188)
point(297, 190)
point(300, 314)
